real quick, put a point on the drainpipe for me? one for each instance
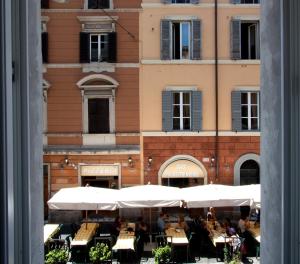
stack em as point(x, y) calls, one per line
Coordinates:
point(216, 93)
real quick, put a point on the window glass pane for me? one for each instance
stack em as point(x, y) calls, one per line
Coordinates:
point(94, 38)
point(244, 98)
point(186, 98)
point(186, 123)
point(254, 123)
point(254, 111)
point(176, 98)
point(94, 52)
point(185, 51)
point(245, 123)
point(176, 111)
point(186, 111)
point(176, 123)
point(244, 111)
point(98, 115)
point(180, 1)
point(253, 98)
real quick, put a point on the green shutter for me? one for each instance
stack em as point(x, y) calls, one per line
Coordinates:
point(165, 40)
point(196, 110)
point(196, 39)
point(236, 39)
point(236, 110)
point(167, 115)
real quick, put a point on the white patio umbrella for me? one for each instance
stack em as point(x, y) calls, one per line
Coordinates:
point(149, 196)
point(251, 191)
point(84, 198)
point(213, 195)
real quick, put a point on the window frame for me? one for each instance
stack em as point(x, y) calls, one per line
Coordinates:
point(249, 114)
point(250, 3)
point(257, 39)
point(181, 105)
point(180, 32)
point(175, 2)
point(99, 46)
point(86, 113)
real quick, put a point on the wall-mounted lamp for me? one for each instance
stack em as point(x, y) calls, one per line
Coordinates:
point(130, 161)
point(66, 162)
point(150, 159)
point(212, 161)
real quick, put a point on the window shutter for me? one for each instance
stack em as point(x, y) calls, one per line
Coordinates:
point(84, 47)
point(165, 40)
point(235, 39)
point(195, 2)
point(112, 47)
point(166, 1)
point(104, 4)
point(196, 110)
point(235, 1)
point(45, 47)
point(92, 4)
point(236, 110)
point(45, 4)
point(196, 39)
point(167, 122)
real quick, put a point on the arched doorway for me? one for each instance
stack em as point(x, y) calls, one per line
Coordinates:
point(182, 171)
point(249, 173)
point(246, 165)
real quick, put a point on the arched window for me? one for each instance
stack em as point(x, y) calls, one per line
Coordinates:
point(249, 173)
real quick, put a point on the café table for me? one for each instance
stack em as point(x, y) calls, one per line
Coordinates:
point(49, 231)
point(84, 234)
point(178, 238)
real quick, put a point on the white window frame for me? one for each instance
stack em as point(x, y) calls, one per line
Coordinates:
point(86, 4)
point(181, 118)
point(180, 32)
point(99, 45)
point(86, 112)
point(249, 104)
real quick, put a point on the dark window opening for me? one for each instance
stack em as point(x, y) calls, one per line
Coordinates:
point(98, 115)
point(98, 4)
point(181, 1)
point(46, 188)
point(249, 41)
point(249, 173)
point(176, 41)
point(181, 40)
point(250, 1)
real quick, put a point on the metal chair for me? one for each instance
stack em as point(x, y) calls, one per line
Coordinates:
point(56, 244)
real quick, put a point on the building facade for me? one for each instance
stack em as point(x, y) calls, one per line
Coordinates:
point(91, 94)
point(159, 91)
point(199, 91)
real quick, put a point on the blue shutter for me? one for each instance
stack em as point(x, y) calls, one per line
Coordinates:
point(236, 111)
point(196, 40)
point(236, 39)
point(195, 2)
point(196, 110)
point(235, 1)
point(165, 40)
point(167, 114)
point(166, 1)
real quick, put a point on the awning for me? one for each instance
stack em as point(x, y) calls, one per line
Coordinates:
point(183, 169)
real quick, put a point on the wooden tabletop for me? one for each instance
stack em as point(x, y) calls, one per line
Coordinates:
point(84, 234)
point(178, 236)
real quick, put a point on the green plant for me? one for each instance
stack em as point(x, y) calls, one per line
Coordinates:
point(234, 258)
point(100, 253)
point(162, 254)
point(56, 256)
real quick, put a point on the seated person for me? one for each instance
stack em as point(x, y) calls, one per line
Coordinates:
point(116, 227)
point(182, 224)
point(243, 224)
point(211, 214)
point(230, 230)
point(142, 229)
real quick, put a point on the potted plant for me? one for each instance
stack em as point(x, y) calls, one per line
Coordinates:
point(57, 256)
point(100, 253)
point(162, 254)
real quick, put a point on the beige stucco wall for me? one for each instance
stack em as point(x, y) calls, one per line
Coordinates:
point(156, 77)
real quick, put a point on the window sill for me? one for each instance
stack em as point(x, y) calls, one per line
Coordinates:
point(99, 139)
point(98, 67)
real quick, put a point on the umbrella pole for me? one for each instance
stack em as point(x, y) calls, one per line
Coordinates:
point(86, 219)
point(150, 215)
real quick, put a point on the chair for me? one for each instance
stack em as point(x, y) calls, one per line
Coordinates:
point(56, 244)
point(163, 240)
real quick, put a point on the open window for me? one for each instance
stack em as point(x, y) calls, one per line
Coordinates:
point(245, 40)
point(98, 4)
